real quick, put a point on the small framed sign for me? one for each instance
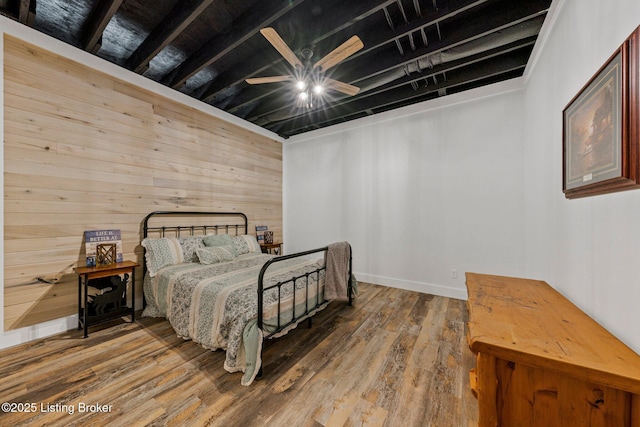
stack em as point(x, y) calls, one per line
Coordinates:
point(93, 238)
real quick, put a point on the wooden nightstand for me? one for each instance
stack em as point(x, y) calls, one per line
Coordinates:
point(271, 248)
point(111, 304)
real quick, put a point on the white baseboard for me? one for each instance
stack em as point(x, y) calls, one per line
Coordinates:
point(41, 330)
point(427, 288)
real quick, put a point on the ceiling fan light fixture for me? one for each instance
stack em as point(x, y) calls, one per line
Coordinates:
point(309, 80)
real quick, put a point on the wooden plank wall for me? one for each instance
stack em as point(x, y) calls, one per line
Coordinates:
point(83, 151)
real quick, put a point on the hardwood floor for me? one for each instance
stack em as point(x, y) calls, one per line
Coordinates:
point(396, 358)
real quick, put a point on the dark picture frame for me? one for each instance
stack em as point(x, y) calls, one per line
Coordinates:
point(601, 128)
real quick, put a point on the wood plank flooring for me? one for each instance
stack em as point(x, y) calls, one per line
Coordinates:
point(396, 358)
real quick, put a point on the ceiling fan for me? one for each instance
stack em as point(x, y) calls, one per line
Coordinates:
point(310, 79)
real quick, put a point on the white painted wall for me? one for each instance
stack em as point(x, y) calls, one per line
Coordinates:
point(477, 184)
point(589, 249)
point(417, 192)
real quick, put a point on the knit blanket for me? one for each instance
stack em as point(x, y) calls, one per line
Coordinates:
point(337, 280)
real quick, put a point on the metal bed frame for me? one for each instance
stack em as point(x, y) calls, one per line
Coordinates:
point(177, 230)
point(193, 230)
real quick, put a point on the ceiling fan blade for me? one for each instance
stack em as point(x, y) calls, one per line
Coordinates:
point(276, 41)
point(273, 79)
point(345, 88)
point(340, 53)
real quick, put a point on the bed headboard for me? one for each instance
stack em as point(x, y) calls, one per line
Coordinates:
point(189, 223)
point(186, 223)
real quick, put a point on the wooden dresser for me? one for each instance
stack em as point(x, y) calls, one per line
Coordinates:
point(543, 362)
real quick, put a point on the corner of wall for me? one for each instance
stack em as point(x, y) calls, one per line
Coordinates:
point(2, 183)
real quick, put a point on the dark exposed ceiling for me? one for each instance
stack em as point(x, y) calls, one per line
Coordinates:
point(414, 50)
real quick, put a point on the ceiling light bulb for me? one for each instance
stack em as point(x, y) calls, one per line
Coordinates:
point(303, 95)
point(317, 89)
point(301, 85)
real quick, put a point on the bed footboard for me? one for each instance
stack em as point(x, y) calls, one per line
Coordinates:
point(309, 308)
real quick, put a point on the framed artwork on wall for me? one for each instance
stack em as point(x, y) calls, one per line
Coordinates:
point(601, 128)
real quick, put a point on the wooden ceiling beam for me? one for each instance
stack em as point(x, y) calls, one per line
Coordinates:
point(27, 12)
point(182, 14)
point(449, 67)
point(249, 23)
point(476, 27)
point(100, 16)
point(376, 38)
